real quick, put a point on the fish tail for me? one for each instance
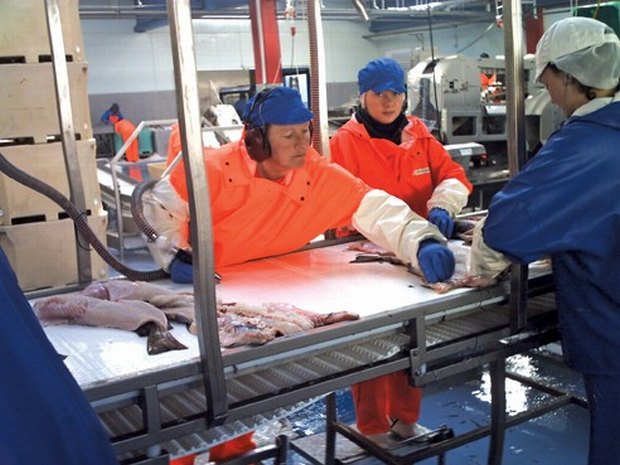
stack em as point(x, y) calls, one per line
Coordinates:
point(162, 341)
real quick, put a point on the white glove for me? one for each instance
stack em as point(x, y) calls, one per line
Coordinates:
point(389, 222)
point(483, 260)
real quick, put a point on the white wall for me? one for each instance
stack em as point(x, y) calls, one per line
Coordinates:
point(469, 39)
point(122, 61)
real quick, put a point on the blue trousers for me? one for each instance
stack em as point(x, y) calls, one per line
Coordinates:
point(603, 392)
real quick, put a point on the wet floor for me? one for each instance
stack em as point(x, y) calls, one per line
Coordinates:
point(556, 438)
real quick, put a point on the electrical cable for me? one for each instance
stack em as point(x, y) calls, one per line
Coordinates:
point(430, 33)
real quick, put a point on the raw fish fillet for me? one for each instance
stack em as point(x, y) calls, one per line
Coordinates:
point(119, 289)
point(240, 323)
point(235, 330)
point(460, 278)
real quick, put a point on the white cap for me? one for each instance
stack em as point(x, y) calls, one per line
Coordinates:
point(585, 48)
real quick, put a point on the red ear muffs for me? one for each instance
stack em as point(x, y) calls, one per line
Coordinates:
point(256, 144)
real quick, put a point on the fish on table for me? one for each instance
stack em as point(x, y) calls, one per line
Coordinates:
point(286, 318)
point(177, 306)
point(146, 308)
point(463, 230)
point(119, 289)
point(244, 324)
point(130, 315)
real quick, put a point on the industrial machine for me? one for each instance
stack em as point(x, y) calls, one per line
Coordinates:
point(449, 95)
point(463, 100)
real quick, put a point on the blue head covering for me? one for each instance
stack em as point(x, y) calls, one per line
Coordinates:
point(278, 105)
point(380, 75)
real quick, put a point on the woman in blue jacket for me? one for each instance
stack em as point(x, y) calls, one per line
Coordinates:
point(566, 204)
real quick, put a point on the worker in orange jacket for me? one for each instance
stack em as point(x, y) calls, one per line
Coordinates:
point(124, 128)
point(272, 193)
point(396, 153)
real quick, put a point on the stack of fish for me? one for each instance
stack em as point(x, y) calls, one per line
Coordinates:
point(147, 308)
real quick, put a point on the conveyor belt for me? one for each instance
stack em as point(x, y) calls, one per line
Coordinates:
point(321, 367)
point(149, 401)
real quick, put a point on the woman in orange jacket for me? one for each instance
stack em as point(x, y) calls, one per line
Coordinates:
point(396, 153)
point(272, 193)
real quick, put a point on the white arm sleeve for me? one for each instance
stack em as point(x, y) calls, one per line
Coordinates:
point(168, 214)
point(483, 260)
point(451, 195)
point(389, 222)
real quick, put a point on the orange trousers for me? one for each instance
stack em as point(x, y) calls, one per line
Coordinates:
point(387, 397)
point(233, 448)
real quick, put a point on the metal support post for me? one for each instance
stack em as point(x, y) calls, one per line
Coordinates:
point(63, 98)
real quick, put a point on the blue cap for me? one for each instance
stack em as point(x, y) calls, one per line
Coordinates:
point(277, 105)
point(380, 75)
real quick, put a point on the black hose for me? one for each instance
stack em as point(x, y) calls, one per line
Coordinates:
point(137, 208)
point(81, 224)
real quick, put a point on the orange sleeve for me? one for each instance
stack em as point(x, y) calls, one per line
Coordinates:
point(174, 143)
point(343, 151)
point(441, 163)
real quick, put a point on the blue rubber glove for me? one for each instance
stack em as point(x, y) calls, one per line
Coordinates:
point(436, 261)
point(441, 218)
point(181, 272)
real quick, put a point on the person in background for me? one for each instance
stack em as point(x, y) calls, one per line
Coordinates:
point(487, 76)
point(45, 417)
point(112, 115)
point(564, 204)
point(396, 153)
point(124, 128)
point(272, 193)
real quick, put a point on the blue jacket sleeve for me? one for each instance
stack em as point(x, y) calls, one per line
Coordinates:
point(37, 385)
point(105, 117)
point(556, 203)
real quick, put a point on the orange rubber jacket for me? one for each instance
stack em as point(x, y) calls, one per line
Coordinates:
point(254, 217)
point(174, 143)
point(410, 171)
point(125, 129)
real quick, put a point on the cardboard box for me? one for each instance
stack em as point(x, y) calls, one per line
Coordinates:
point(44, 254)
point(28, 102)
point(25, 31)
point(20, 204)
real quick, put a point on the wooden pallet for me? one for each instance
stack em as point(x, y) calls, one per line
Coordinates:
point(29, 106)
point(24, 37)
point(43, 254)
point(19, 204)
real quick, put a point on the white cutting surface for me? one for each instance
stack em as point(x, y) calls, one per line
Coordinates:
point(321, 280)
